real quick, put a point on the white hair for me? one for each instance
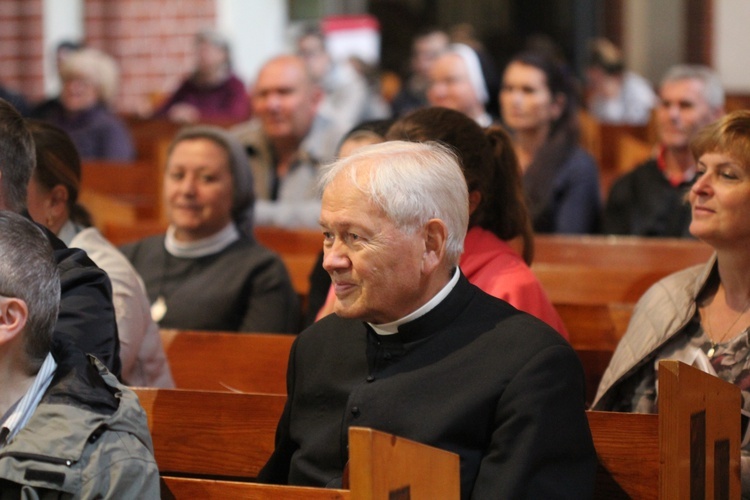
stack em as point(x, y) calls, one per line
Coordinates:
point(95, 66)
point(412, 183)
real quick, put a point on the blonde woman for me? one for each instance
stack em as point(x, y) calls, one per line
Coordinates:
point(89, 86)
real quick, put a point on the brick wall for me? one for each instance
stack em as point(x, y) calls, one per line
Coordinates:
point(152, 41)
point(21, 46)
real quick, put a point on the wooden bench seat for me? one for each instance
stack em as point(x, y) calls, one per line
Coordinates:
point(228, 361)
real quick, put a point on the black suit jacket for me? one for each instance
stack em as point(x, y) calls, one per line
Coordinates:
point(474, 376)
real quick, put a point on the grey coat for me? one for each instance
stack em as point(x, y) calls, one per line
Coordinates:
point(663, 311)
point(88, 438)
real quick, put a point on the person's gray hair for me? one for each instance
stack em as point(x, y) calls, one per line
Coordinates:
point(412, 183)
point(243, 194)
point(217, 39)
point(713, 91)
point(95, 66)
point(28, 272)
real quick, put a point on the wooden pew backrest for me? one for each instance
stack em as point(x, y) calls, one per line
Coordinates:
point(699, 434)
point(628, 453)
point(211, 434)
point(381, 467)
point(221, 361)
point(606, 269)
point(290, 241)
point(632, 252)
point(384, 466)
point(589, 285)
point(120, 233)
point(691, 449)
point(595, 326)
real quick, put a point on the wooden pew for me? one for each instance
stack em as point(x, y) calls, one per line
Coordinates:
point(691, 449)
point(298, 248)
point(581, 284)
point(606, 269)
point(206, 489)
point(206, 443)
point(381, 467)
point(120, 234)
point(666, 254)
point(135, 184)
point(290, 241)
point(221, 361)
point(615, 148)
point(219, 435)
point(595, 326)
point(595, 330)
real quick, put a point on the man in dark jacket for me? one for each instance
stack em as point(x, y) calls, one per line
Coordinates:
point(87, 315)
point(67, 427)
point(414, 349)
point(650, 200)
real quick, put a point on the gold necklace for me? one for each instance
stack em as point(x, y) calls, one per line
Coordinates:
point(714, 344)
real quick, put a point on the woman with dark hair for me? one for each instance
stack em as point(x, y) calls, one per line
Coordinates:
point(700, 315)
point(499, 225)
point(499, 220)
point(538, 106)
point(207, 272)
point(52, 201)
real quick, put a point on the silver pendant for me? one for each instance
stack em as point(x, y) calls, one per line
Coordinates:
point(711, 352)
point(158, 309)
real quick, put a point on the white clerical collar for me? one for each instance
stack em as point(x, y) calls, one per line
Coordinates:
point(200, 248)
point(392, 327)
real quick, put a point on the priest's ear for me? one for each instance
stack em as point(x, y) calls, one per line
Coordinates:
point(436, 239)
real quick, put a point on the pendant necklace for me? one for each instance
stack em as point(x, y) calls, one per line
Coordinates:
point(714, 344)
point(159, 307)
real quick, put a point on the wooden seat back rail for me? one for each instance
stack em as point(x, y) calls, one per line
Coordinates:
point(381, 467)
point(668, 254)
point(211, 434)
point(210, 444)
point(223, 361)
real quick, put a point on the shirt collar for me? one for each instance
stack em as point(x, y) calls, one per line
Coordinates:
point(392, 327)
point(206, 246)
point(674, 180)
point(20, 414)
